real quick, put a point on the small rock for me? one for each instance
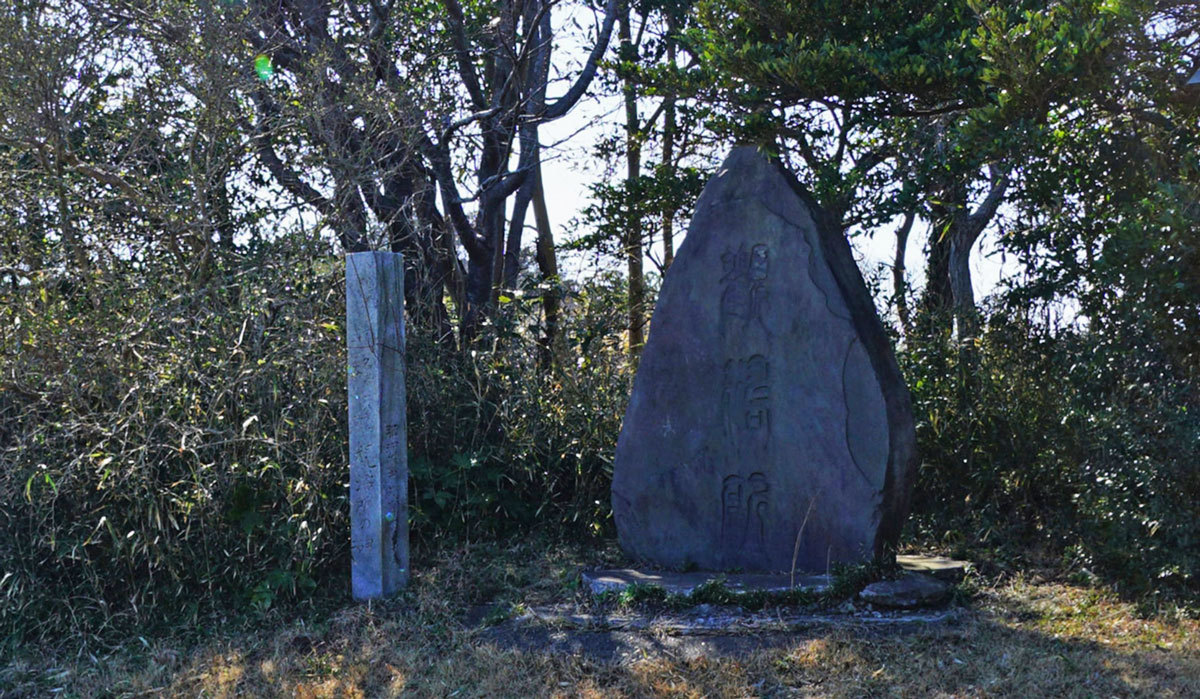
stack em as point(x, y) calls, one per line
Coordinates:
point(909, 592)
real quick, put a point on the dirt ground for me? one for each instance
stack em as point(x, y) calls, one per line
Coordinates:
point(473, 626)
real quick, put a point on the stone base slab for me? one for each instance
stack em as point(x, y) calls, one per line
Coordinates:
point(685, 583)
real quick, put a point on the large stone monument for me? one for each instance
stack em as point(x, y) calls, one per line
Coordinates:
point(378, 439)
point(769, 428)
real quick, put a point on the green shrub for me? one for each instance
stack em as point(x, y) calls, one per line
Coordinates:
point(498, 440)
point(1081, 443)
point(167, 450)
point(173, 453)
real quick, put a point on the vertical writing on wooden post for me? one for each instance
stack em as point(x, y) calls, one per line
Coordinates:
point(378, 438)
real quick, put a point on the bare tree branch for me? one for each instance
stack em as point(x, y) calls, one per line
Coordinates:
point(564, 104)
point(439, 158)
point(987, 209)
point(287, 178)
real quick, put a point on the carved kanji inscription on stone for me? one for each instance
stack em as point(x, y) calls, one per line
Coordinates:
point(744, 508)
point(744, 273)
point(746, 395)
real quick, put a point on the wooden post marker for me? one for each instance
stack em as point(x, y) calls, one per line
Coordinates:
point(378, 437)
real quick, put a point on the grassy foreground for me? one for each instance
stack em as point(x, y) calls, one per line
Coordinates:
point(1019, 637)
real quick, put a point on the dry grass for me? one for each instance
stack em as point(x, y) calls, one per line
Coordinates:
point(1022, 638)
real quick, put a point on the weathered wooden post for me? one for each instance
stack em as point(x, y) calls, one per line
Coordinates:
point(378, 437)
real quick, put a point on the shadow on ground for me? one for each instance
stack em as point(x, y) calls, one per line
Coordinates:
point(1016, 638)
point(1032, 641)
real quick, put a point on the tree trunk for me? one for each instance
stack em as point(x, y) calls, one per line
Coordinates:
point(959, 274)
point(412, 233)
point(485, 264)
point(899, 283)
point(548, 265)
point(538, 27)
point(668, 155)
point(937, 299)
point(633, 171)
point(516, 228)
point(75, 258)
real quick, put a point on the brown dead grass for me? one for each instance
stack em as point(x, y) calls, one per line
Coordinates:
point(1021, 638)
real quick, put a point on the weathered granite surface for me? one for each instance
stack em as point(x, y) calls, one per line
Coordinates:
point(768, 420)
point(378, 437)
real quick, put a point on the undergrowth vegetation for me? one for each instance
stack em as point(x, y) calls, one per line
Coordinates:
point(1081, 443)
point(1028, 637)
point(168, 453)
point(175, 452)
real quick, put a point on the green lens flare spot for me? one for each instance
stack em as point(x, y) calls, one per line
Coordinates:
point(263, 67)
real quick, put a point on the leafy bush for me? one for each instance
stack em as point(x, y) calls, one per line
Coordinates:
point(1084, 441)
point(176, 452)
point(166, 448)
point(171, 452)
point(499, 440)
